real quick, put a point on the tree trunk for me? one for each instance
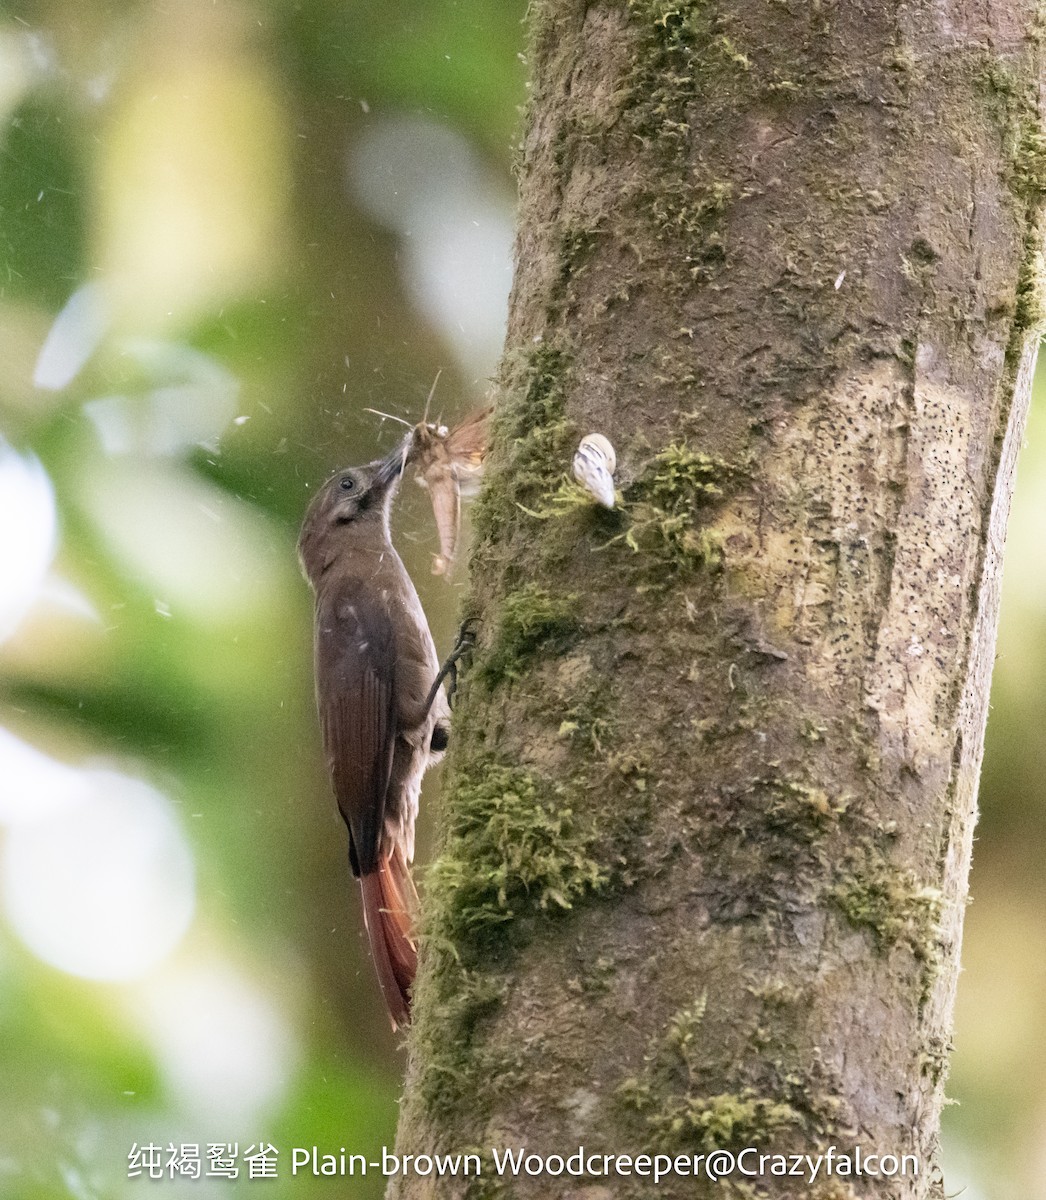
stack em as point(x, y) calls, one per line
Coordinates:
point(708, 814)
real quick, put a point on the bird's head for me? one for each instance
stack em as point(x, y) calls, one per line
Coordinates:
point(352, 501)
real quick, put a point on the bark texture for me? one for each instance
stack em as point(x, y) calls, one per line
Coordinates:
point(712, 787)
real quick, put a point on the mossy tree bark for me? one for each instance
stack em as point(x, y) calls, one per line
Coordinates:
point(709, 808)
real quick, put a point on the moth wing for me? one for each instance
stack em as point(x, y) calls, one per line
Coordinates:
point(467, 442)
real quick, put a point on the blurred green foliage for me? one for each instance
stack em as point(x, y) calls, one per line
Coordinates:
point(195, 160)
point(237, 238)
point(42, 218)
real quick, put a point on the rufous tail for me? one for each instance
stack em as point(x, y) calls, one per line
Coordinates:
point(390, 901)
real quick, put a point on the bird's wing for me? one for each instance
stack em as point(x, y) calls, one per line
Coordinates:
point(354, 684)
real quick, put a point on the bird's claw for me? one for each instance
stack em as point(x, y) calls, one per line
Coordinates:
point(463, 645)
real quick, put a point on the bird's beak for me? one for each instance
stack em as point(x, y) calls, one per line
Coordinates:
point(391, 467)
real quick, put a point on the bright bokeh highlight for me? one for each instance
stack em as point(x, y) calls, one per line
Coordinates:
point(28, 535)
point(101, 886)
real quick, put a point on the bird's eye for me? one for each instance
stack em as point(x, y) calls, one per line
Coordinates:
point(347, 483)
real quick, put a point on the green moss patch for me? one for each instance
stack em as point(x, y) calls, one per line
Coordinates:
point(666, 506)
point(680, 1116)
point(892, 906)
point(531, 438)
point(529, 619)
point(512, 849)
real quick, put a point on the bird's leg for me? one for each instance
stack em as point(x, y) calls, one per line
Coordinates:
point(465, 641)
